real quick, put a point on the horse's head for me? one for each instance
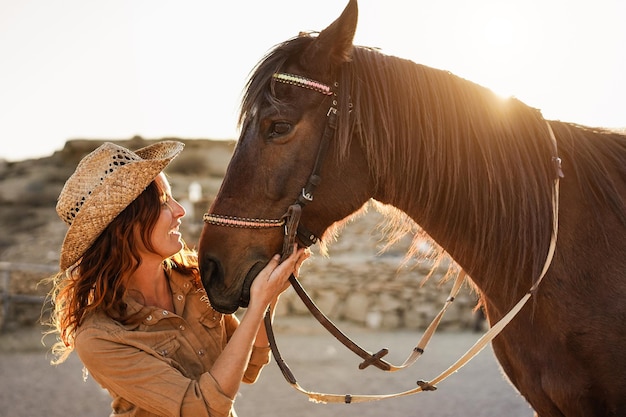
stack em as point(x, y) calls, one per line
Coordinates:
point(291, 98)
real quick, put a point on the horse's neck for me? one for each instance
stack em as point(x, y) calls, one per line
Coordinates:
point(473, 176)
point(490, 270)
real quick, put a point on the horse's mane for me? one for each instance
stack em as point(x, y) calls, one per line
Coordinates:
point(477, 162)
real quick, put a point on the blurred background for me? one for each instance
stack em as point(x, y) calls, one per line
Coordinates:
point(74, 73)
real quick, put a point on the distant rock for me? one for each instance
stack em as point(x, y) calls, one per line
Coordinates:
point(32, 232)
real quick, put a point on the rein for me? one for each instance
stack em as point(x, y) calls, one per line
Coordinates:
point(293, 229)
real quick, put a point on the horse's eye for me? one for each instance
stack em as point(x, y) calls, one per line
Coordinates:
point(279, 129)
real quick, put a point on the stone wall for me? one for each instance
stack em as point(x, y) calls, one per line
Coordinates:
point(358, 283)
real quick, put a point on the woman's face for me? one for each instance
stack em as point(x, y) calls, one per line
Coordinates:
point(166, 238)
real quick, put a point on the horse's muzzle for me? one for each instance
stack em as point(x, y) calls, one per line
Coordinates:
point(226, 297)
point(212, 276)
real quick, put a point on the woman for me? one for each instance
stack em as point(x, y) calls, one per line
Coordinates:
point(129, 299)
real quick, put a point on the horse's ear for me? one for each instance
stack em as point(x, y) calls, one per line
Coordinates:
point(333, 46)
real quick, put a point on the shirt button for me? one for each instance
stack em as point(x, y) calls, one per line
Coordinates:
point(181, 327)
point(164, 352)
point(165, 312)
point(179, 297)
point(201, 352)
point(148, 318)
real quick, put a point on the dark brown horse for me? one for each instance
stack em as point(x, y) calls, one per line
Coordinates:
point(474, 171)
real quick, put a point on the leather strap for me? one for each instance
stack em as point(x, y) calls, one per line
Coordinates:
point(465, 358)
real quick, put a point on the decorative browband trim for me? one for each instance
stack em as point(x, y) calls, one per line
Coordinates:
point(242, 222)
point(304, 82)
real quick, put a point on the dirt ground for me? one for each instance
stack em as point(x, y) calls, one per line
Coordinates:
point(30, 386)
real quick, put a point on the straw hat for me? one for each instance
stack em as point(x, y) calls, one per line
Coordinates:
point(105, 182)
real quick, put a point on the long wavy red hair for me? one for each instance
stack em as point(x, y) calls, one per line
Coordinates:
point(99, 280)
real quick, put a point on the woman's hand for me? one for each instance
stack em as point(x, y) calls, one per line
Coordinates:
point(231, 364)
point(274, 278)
point(296, 259)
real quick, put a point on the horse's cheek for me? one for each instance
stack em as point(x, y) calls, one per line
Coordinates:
point(280, 183)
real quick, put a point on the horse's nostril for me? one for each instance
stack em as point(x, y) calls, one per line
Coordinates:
point(209, 271)
point(213, 280)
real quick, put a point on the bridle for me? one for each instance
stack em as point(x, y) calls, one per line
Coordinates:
point(291, 219)
point(293, 230)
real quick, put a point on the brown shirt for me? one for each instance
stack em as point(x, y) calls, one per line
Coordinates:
point(160, 366)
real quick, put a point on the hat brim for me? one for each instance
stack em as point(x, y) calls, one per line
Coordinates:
point(116, 192)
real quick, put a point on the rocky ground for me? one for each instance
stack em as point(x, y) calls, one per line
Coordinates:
point(30, 386)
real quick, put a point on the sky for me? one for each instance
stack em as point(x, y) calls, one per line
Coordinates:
point(88, 69)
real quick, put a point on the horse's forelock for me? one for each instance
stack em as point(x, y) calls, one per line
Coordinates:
point(259, 86)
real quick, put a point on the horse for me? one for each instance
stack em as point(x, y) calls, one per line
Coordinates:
point(331, 125)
